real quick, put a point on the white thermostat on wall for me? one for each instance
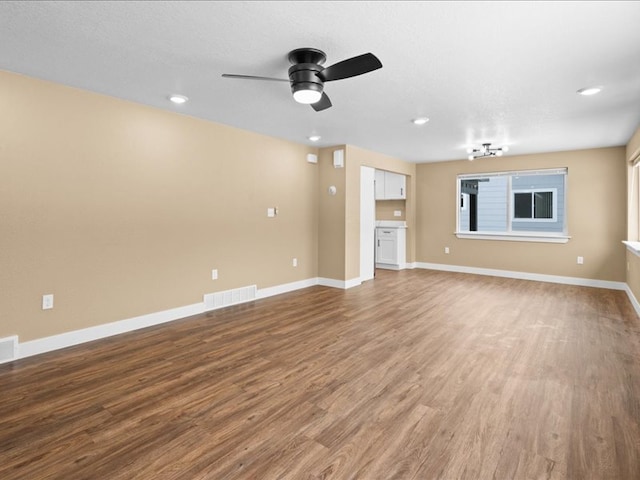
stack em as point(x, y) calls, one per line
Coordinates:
point(311, 158)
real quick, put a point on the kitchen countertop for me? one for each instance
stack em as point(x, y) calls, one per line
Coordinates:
point(391, 224)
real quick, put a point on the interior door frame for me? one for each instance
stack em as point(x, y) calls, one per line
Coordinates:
point(367, 223)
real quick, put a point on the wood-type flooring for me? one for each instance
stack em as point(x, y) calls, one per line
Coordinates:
point(416, 375)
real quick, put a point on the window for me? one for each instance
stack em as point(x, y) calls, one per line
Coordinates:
point(535, 205)
point(524, 205)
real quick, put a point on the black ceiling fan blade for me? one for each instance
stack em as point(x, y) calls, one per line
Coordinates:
point(252, 77)
point(322, 104)
point(351, 67)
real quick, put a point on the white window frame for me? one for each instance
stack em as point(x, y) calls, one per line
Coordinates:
point(554, 192)
point(633, 205)
point(464, 201)
point(509, 235)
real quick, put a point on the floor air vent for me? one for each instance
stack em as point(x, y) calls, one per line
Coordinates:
point(229, 297)
point(8, 349)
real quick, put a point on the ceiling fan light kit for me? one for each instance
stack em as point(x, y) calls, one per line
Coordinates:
point(307, 75)
point(486, 151)
point(306, 94)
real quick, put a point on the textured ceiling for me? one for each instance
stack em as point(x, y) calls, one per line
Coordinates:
point(502, 72)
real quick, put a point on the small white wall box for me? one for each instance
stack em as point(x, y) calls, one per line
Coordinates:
point(311, 158)
point(338, 158)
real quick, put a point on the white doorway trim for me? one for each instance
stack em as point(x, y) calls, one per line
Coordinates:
point(367, 223)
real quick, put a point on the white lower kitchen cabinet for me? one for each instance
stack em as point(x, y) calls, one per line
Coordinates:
point(391, 247)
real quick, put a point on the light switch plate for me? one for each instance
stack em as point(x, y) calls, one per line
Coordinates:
point(47, 301)
point(271, 212)
point(397, 213)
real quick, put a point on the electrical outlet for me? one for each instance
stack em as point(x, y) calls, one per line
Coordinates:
point(214, 274)
point(580, 260)
point(446, 249)
point(47, 301)
point(271, 212)
point(295, 262)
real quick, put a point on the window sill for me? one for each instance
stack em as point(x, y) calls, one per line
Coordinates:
point(633, 247)
point(515, 237)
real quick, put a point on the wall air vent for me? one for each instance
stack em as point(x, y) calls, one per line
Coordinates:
point(8, 349)
point(216, 300)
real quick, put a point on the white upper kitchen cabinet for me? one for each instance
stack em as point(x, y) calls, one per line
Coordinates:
point(390, 186)
point(380, 184)
point(395, 186)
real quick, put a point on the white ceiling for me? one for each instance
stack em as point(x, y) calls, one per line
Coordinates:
point(502, 72)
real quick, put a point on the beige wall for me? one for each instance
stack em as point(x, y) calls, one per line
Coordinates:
point(596, 217)
point(121, 210)
point(385, 209)
point(331, 228)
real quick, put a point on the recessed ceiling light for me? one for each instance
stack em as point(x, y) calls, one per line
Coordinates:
point(420, 120)
point(178, 99)
point(314, 138)
point(589, 91)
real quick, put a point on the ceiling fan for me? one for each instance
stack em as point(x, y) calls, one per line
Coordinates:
point(307, 75)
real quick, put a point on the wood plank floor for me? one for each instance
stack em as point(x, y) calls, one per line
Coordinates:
point(415, 375)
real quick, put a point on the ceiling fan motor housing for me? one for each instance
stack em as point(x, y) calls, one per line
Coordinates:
point(306, 65)
point(303, 77)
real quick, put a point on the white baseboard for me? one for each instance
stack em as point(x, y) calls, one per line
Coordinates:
point(632, 299)
point(287, 287)
point(539, 277)
point(342, 284)
point(76, 337)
